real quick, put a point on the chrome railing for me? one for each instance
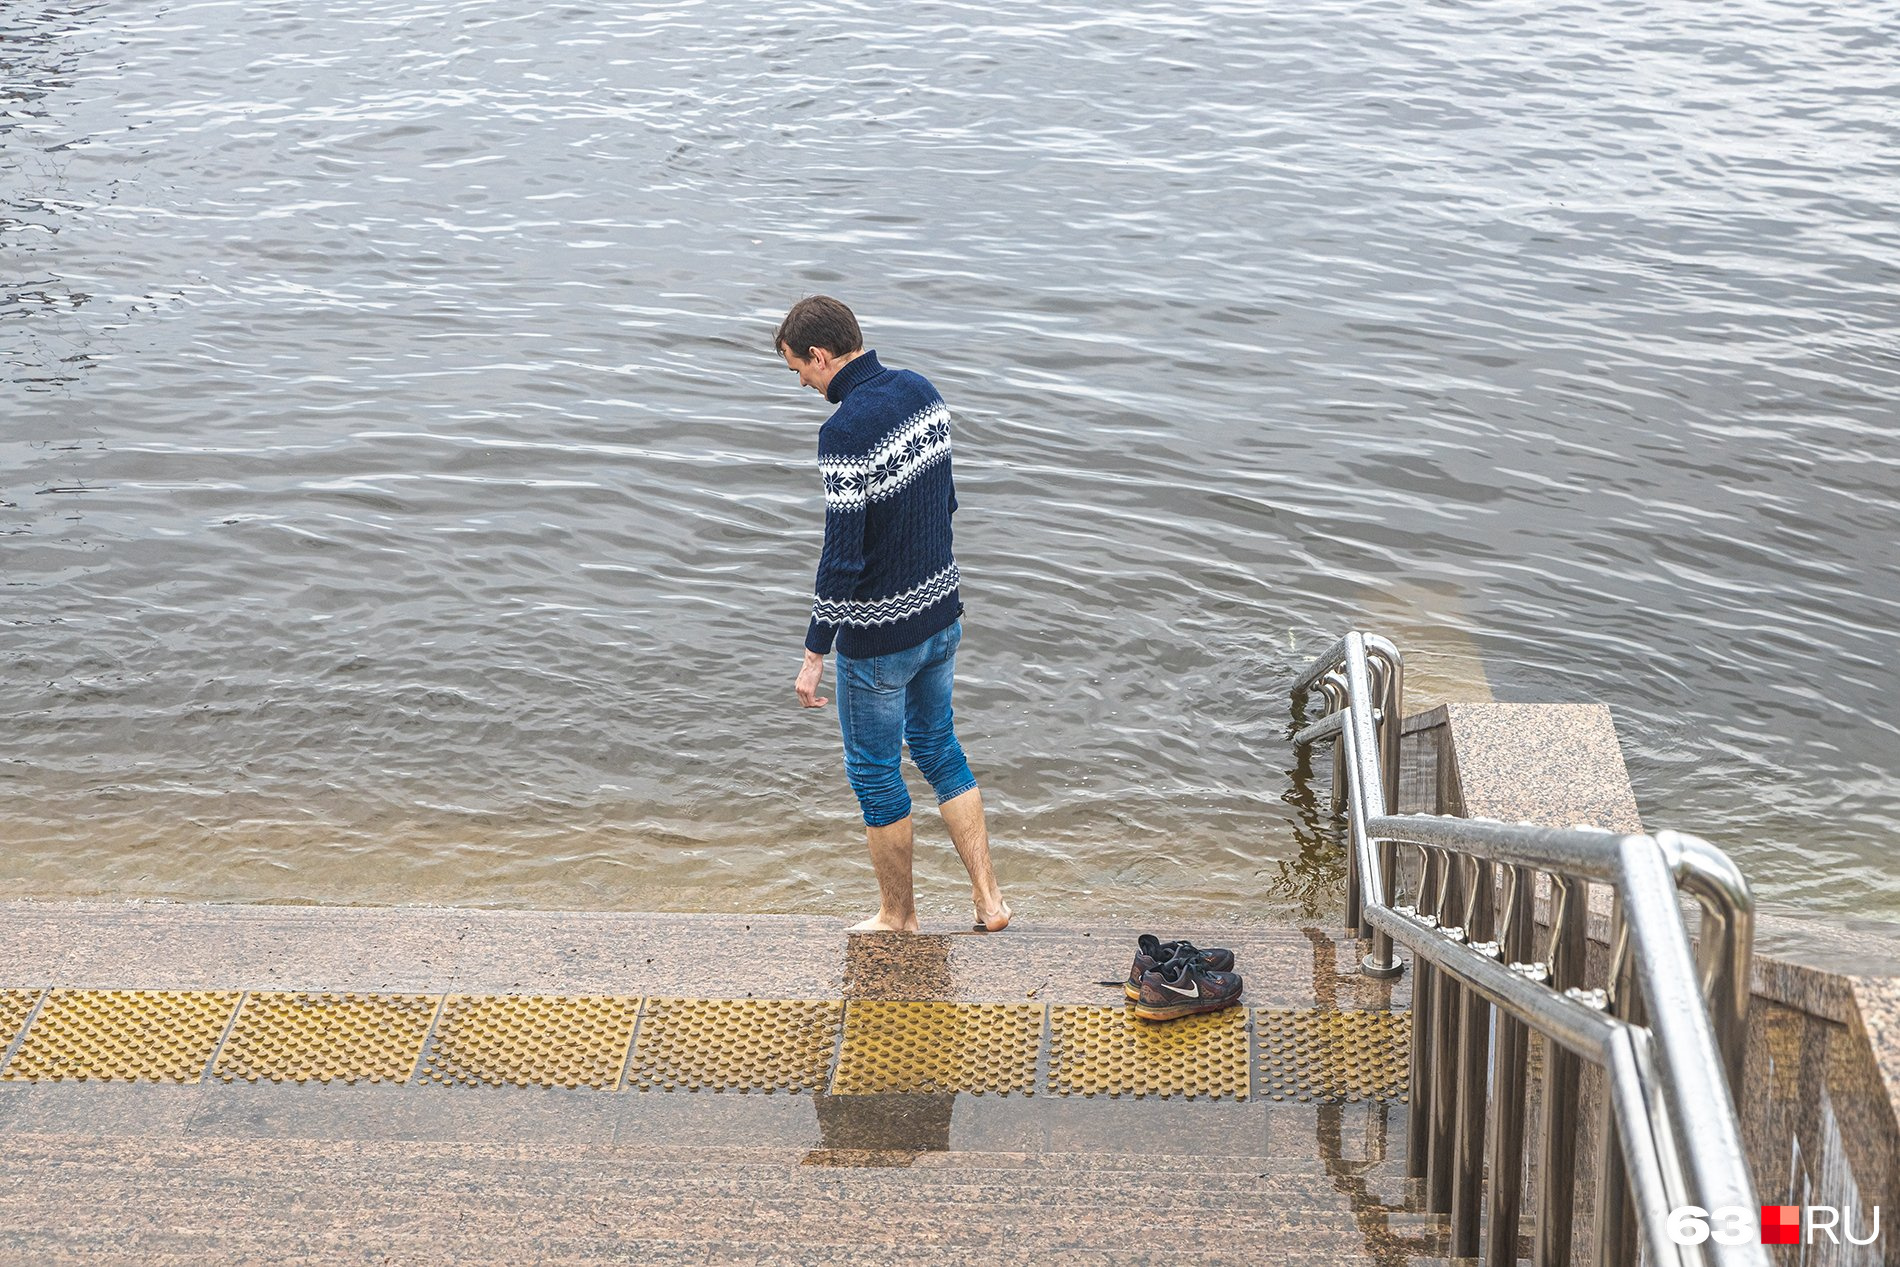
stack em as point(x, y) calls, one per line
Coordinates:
point(1666, 1027)
point(1385, 679)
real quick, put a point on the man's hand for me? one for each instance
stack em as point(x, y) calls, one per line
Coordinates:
point(807, 685)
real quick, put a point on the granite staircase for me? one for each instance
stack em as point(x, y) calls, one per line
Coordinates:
point(969, 1097)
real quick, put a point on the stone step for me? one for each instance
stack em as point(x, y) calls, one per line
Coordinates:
point(936, 1176)
point(158, 945)
point(356, 1200)
point(422, 1173)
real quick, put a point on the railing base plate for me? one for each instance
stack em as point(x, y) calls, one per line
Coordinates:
point(1372, 968)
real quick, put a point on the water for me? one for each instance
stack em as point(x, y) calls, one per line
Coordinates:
point(402, 502)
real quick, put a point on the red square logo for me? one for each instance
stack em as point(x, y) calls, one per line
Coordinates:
point(1781, 1225)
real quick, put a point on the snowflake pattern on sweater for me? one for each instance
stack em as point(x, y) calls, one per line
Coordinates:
point(887, 578)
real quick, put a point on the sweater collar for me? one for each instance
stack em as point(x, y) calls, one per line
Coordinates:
point(855, 371)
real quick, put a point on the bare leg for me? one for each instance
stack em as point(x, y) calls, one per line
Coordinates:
point(890, 858)
point(963, 815)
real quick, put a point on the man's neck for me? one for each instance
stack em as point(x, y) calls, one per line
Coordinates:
point(844, 378)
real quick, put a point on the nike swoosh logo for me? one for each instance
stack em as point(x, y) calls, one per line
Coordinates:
point(1195, 993)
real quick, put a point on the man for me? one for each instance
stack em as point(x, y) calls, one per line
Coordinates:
point(887, 594)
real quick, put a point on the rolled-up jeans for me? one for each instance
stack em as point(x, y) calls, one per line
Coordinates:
point(887, 701)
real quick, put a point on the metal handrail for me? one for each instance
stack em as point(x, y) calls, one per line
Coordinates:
point(1365, 871)
point(1667, 1028)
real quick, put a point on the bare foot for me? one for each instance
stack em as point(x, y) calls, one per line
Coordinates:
point(876, 924)
point(997, 920)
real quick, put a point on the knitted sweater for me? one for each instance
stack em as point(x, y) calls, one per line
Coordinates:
point(886, 579)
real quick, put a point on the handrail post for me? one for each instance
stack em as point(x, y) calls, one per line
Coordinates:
point(1368, 788)
point(1333, 687)
point(1447, 1003)
point(1615, 1225)
point(1725, 942)
point(1699, 1104)
point(1378, 675)
point(1504, 1196)
point(1474, 1036)
point(1556, 1180)
point(1648, 1145)
point(1418, 1127)
point(1391, 713)
point(1392, 720)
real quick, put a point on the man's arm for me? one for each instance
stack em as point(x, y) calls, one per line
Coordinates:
point(840, 564)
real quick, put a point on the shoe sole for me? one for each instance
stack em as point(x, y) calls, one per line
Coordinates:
point(1173, 1011)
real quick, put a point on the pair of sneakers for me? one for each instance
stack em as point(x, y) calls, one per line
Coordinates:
point(1170, 979)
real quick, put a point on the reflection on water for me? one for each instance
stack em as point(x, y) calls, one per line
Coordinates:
point(880, 1130)
point(399, 502)
point(1311, 883)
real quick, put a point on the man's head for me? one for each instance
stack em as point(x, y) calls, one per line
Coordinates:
point(818, 336)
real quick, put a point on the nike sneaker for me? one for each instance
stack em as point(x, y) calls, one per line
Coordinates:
point(1151, 952)
point(1181, 987)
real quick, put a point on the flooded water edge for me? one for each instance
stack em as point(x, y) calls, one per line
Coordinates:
point(400, 501)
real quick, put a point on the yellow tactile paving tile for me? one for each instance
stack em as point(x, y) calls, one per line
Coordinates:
point(1333, 1057)
point(15, 1007)
point(123, 1035)
point(531, 1041)
point(892, 1047)
point(1107, 1051)
point(734, 1045)
point(282, 1036)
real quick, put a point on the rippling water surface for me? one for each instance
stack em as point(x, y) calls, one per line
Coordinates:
point(400, 500)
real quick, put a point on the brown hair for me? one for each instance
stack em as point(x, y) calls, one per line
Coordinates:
point(818, 321)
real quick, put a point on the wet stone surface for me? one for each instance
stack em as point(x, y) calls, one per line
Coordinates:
point(936, 1144)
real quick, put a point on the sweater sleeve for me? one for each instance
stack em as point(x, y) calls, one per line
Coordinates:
point(841, 562)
